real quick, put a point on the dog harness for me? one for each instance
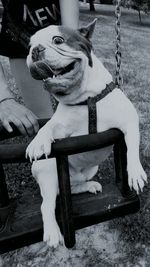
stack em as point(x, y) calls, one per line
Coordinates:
point(91, 102)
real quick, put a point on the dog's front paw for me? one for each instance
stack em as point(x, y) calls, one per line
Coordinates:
point(137, 178)
point(40, 145)
point(52, 235)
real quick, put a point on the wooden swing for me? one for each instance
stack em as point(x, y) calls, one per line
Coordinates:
point(20, 219)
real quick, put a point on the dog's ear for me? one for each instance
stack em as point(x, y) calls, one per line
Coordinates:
point(87, 31)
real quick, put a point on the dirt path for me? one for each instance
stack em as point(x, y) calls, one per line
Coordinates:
point(96, 246)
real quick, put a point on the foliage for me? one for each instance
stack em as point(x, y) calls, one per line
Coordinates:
point(139, 5)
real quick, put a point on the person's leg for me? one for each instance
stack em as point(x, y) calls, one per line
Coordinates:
point(35, 97)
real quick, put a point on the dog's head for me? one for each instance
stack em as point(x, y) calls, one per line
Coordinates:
point(60, 56)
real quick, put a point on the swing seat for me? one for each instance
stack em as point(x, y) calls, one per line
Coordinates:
point(20, 219)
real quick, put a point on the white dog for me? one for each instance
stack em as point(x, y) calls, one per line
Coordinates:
point(64, 60)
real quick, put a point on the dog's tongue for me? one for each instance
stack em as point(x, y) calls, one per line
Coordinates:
point(40, 70)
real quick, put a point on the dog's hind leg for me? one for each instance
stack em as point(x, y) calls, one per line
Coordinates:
point(90, 186)
point(45, 173)
point(80, 181)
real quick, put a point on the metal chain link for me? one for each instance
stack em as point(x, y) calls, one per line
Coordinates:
point(118, 77)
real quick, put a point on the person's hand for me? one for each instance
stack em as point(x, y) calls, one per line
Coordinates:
point(19, 115)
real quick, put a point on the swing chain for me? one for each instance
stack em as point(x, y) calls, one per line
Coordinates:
point(118, 77)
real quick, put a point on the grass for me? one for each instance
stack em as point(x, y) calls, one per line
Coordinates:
point(135, 38)
point(133, 230)
point(135, 71)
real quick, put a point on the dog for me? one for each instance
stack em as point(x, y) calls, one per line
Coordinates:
point(64, 59)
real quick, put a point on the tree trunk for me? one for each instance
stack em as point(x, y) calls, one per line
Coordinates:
point(92, 8)
point(140, 18)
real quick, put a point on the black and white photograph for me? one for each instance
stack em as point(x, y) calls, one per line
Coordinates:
point(74, 133)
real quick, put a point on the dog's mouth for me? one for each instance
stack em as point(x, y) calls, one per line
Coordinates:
point(60, 81)
point(42, 70)
point(59, 93)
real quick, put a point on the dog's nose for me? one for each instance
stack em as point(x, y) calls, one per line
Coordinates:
point(36, 52)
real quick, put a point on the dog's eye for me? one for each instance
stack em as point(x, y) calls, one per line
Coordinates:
point(58, 40)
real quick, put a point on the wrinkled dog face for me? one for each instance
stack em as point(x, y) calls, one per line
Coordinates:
point(59, 56)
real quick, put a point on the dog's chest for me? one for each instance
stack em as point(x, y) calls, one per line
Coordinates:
point(75, 119)
point(113, 111)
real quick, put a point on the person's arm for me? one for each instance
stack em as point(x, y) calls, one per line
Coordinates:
point(13, 112)
point(69, 13)
point(4, 92)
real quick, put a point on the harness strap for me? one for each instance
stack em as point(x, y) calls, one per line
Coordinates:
point(91, 102)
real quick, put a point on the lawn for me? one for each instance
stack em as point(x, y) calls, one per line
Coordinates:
point(125, 240)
